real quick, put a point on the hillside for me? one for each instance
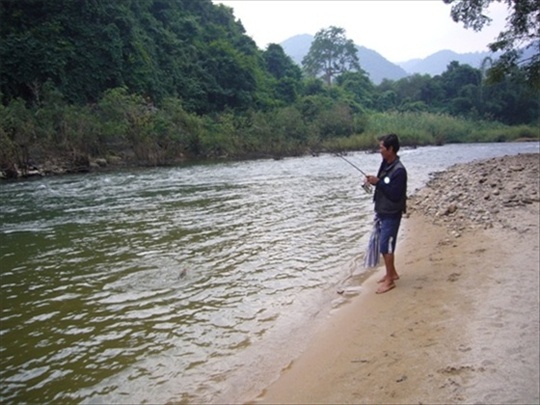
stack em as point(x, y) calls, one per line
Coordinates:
point(192, 50)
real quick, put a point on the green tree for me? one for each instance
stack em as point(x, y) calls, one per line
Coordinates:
point(463, 91)
point(359, 85)
point(522, 34)
point(330, 53)
point(457, 76)
point(231, 77)
point(287, 74)
point(279, 64)
point(387, 100)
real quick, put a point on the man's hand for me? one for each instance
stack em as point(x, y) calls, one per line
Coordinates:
point(372, 179)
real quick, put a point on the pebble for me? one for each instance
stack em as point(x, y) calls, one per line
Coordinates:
point(479, 194)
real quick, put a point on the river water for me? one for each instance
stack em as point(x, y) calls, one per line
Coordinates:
point(189, 284)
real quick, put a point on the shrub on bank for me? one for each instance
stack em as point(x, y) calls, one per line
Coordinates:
point(131, 128)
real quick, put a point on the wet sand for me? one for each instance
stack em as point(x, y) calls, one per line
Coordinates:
point(462, 326)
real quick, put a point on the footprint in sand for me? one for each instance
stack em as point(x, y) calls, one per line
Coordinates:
point(451, 370)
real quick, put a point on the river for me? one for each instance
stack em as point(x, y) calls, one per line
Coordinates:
point(188, 284)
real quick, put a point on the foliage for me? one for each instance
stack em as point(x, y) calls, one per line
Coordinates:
point(358, 85)
point(154, 48)
point(330, 53)
point(287, 76)
point(461, 91)
point(522, 33)
point(155, 82)
point(127, 126)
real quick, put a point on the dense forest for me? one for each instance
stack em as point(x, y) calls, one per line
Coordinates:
point(88, 83)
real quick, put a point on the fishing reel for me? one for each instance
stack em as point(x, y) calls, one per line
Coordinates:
point(367, 187)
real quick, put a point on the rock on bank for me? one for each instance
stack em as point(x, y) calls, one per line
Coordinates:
point(480, 194)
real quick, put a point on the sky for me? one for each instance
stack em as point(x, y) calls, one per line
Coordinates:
point(399, 30)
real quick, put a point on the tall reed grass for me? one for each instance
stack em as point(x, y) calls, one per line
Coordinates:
point(423, 128)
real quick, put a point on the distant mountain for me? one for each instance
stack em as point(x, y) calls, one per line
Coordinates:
point(372, 62)
point(438, 62)
point(297, 47)
point(380, 68)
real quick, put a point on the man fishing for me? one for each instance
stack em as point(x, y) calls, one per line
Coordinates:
point(390, 199)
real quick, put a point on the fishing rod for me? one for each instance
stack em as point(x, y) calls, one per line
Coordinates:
point(365, 186)
point(353, 165)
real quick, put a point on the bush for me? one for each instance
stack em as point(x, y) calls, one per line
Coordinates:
point(128, 125)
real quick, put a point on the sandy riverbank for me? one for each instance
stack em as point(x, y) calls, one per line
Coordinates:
point(462, 326)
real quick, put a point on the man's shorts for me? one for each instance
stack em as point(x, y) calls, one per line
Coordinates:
point(389, 232)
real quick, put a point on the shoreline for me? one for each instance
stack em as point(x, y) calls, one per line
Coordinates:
point(462, 325)
point(63, 165)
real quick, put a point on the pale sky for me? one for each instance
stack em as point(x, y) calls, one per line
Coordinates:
point(399, 30)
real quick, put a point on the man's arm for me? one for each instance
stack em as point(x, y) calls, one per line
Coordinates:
point(395, 188)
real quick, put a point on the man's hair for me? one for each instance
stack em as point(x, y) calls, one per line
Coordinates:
point(390, 140)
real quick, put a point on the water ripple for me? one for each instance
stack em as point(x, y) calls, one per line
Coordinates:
point(176, 284)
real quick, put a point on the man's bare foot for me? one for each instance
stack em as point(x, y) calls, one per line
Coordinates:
point(385, 288)
point(382, 280)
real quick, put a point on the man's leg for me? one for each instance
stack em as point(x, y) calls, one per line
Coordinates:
point(387, 282)
point(391, 272)
point(389, 230)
